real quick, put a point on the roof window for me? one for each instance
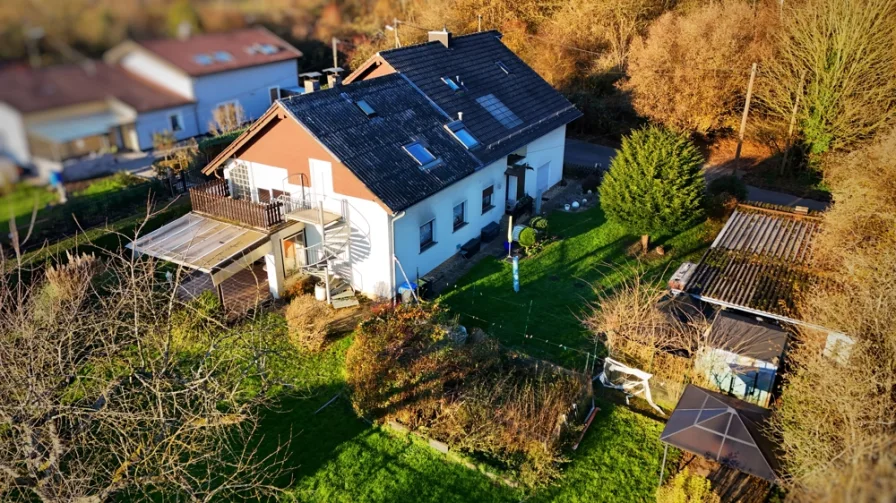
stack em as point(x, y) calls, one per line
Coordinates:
point(203, 59)
point(366, 108)
point(421, 154)
point(268, 49)
point(500, 64)
point(452, 84)
point(462, 134)
point(223, 56)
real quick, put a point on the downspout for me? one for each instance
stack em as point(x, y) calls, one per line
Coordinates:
point(394, 217)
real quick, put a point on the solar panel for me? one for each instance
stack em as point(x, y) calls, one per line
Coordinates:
point(499, 111)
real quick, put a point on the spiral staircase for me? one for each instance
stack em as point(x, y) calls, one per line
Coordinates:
point(323, 258)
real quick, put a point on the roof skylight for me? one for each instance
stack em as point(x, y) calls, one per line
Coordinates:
point(366, 108)
point(499, 111)
point(268, 49)
point(500, 64)
point(462, 134)
point(452, 84)
point(203, 59)
point(223, 56)
point(420, 154)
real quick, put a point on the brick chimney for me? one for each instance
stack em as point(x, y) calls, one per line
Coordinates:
point(443, 36)
point(334, 77)
point(311, 81)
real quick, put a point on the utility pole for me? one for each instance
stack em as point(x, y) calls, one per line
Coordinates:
point(335, 53)
point(743, 120)
point(395, 29)
point(796, 106)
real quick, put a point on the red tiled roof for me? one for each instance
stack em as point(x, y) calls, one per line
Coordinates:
point(241, 45)
point(33, 90)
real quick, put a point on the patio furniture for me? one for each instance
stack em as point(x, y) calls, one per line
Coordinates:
point(490, 232)
point(470, 248)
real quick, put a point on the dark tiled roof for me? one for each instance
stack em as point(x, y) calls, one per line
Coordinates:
point(371, 147)
point(759, 260)
point(748, 337)
point(474, 59)
point(33, 90)
point(182, 53)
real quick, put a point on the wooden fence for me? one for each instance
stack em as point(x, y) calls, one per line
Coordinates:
point(213, 198)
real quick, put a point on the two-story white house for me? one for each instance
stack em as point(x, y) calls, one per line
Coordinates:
point(52, 115)
point(385, 177)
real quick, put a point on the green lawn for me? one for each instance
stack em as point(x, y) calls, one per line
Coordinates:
point(20, 202)
point(556, 284)
point(337, 457)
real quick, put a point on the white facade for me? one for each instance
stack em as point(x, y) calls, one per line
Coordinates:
point(13, 140)
point(250, 87)
point(158, 71)
point(149, 123)
point(368, 264)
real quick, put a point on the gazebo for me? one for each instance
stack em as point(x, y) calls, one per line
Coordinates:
point(723, 429)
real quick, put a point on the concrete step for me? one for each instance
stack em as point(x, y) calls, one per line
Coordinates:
point(344, 303)
point(345, 294)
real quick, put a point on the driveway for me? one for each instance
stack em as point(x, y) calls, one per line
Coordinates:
point(588, 154)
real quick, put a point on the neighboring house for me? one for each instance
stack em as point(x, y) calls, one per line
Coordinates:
point(54, 114)
point(753, 271)
point(382, 180)
point(245, 67)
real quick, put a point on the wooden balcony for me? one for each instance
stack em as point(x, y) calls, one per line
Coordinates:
point(213, 199)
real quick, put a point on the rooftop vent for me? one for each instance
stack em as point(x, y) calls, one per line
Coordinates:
point(334, 76)
point(500, 64)
point(443, 36)
point(311, 81)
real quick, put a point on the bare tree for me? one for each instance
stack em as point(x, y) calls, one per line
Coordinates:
point(840, 57)
point(227, 118)
point(690, 71)
point(103, 395)
point(836, 416)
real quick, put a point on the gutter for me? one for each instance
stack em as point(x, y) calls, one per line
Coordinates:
point(392, 219)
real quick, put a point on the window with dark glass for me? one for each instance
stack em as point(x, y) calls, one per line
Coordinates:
point(487, 198)
point(426, 235)
point(460, 219)
point(176, 122)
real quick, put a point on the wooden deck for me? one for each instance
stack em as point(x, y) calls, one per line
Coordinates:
point(242, 292)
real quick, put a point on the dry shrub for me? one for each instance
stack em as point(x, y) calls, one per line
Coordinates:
point(687, 487)
point(838, 418)
point(308, 320)
point(70, 281)
point(679, 73)
point(403, 365)
point(227, 118)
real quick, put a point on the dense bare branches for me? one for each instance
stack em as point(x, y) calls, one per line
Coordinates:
point(684, 73)
point(99, 398)
point(839, 55)
point(837, 420)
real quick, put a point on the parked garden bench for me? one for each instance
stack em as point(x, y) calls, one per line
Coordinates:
point(470, 248)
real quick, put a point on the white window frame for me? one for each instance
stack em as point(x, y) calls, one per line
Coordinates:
point(180, 119)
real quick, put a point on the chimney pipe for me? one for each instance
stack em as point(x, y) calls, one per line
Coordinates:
point(311, 81)
point(460, 116)
point(443, 36)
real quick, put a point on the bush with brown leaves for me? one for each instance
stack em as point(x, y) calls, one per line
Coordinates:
point(308, 320)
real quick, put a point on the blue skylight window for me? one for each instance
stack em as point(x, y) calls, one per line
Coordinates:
point(366, 108)
point(452, 84)
point(462, 134)
point(420, 153)
point(268, 49)
point(203, 59)
point(223, 56)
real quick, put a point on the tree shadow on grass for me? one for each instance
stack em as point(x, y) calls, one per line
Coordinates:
point(337, 456)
